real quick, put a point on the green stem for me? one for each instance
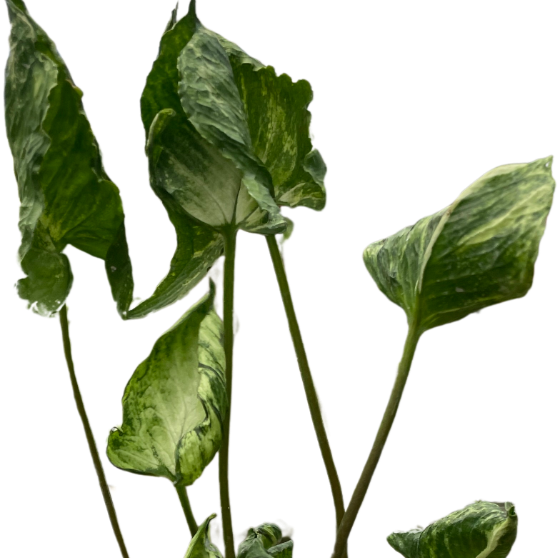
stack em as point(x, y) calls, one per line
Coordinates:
point(184, 500)
point(379, 443)
point(89, 434)
point(229, 237)
point(308, 382)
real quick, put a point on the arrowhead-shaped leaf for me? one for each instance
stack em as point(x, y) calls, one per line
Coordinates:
point(200, 545)
point(481, 530)
point(66, 196)
point(228, 141)
point(175, 402)
point(479, 251)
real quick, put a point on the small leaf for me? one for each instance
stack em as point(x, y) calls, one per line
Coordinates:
point(175, 402)
point(481, 530)
point(479, 251)
point(200, 545)
point(263, 542)
point(66, 196)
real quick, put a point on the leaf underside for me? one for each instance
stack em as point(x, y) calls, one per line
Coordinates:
point(200, 545)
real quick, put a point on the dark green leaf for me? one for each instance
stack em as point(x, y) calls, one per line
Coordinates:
point(481, 530)
point(66, 196)
point(479, 251)
point(208, 177)
point(263, 542)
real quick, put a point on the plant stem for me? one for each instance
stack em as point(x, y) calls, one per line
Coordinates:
point(379, 443)
point(228, 314)
point(184, 500)
point(308, 382)
point(88, 433)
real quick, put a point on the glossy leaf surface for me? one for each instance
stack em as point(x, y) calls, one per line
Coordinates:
point(66, 196)
point(481, 530)
point(479, 251)
point(200, 545)
point(175, 402)
point(222, 139)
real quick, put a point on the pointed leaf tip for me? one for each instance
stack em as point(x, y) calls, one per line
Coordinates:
point(479, 251)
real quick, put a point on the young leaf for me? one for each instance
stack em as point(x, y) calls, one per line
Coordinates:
point(263, 542)
point(66, 196)
point(203, 185)
point(175, 402)
point(200, 545)
point(479, 251)
point(481, 530)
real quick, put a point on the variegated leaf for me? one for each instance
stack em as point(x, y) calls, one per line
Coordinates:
point(200, 545)
point(175, 402)
point(479, 251)
point(481, 530)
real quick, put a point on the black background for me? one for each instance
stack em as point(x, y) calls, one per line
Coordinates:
point(403, 131)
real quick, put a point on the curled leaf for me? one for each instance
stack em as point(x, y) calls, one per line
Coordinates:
point(66, 196)
point(263, 542)
point(228, 141)
point(200, 545)
point(175, 402)
point(481, 530)
point(479, 251)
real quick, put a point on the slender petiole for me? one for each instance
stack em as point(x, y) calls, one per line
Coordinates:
point(309, 386)
point(92, 446)
point(362, 486)
point(230, 238)
point(186, 504)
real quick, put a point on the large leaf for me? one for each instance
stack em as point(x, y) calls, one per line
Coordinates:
point(200, 545)
point(211, 174)
point(479, 251)
point(481, 530)
point(175, 402)
point(66, 196)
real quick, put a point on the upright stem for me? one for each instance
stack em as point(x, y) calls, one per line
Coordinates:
point(89, 434)
point(228, 313)
point(184, 500)
point(308, 382)
point(379, 443)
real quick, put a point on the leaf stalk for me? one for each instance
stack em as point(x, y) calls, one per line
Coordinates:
point(307, 380)
point(64, 324)
point(349, 518)
point(229, 237)
point(187, 508)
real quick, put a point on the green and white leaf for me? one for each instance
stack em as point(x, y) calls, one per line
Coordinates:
point(481, 530)
point(175, 402)
point(263, 542)
point(479, 251)
point(228, 162)
point(200, 545)
point(66, 196)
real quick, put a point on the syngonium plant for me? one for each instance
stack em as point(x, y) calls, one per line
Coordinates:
point(228, 144)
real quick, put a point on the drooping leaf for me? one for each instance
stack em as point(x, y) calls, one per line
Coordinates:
point(202, 189)
point(66, 196)
point(200, 545)
point(175, 402)
point(481, 530)
point(263, 542)
point(479, 251)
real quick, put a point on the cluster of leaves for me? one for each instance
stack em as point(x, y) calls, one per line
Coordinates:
point(228, 144)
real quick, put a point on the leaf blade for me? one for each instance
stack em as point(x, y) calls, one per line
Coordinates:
point(66, 196)
point(479, 251)
point(174, 404)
